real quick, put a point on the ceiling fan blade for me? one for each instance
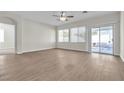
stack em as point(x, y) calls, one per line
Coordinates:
point(70, 16)
point(58, 19)
point(56, 15)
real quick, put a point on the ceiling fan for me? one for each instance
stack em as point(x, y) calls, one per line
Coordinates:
point(63, 17)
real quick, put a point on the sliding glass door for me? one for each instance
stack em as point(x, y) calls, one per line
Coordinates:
point(95, 40)
point(102, 40)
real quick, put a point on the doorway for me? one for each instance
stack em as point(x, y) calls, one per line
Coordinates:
point(7, 38)
point(102, 40)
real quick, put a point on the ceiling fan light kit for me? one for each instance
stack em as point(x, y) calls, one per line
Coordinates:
point(63, 18)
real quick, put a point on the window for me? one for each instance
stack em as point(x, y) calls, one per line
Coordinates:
point(74, 35)
point(77, 34)
point(1, 35)
point(81, 34)
point(63, 35)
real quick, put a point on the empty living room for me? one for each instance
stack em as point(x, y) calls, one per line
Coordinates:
point(61, 46)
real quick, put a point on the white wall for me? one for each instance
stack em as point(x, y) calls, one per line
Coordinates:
point(93, 22)
point(122, 36)
point(37, 36)
point(73, 46)
point(30, 36)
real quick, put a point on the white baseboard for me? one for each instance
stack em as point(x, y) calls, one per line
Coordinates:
point(122, 58)
point(37, 50)
point(19, 52)
point(74, 49)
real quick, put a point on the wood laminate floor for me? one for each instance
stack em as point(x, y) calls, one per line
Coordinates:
point(57, 64)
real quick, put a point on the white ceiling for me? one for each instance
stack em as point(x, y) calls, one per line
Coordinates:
point(47, 18)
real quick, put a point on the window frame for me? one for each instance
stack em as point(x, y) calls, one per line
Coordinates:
point(3, 39)
point(78, 33)
point(63, 36)
point(69, 35)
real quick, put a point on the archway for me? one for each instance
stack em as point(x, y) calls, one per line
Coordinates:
point(7, 35)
